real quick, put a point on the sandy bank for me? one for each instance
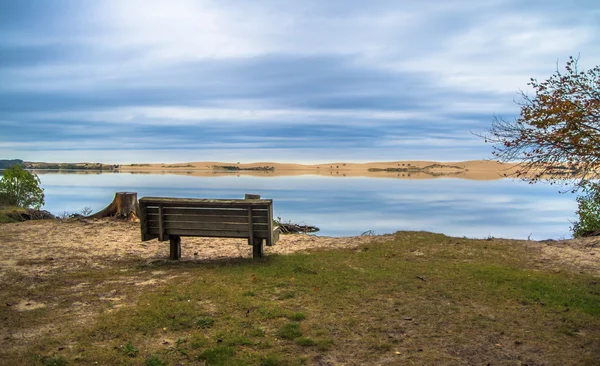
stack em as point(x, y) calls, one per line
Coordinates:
point(411, 169)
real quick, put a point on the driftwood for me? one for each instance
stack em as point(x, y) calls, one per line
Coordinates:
point(290, 228)
point(30, 214)
point(124, 206)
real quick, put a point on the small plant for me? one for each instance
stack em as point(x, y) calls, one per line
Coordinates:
point(257, 332)
point(287, 295)
point(219, 355)
point(297, 316)
point(64, 215)
point(86, 211)
point(54, 360)
point(270, 360)
point(130, 350)
point(588, 212)
point(154, 361)
point(290, 331)
point(305, 342)
point(205, 322)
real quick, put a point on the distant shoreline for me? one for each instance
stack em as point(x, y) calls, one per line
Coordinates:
point(405, 169)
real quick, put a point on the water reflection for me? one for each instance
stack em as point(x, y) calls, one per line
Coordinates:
point(348, 206)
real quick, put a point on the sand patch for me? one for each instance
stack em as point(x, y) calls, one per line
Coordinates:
point(28, 305)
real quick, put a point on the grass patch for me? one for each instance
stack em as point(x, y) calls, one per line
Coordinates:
point(306, 342)
point(154, 360)
point(205, 322)
point(296, 316)
point(290, 331)
point(54, 360)
point(219, 355)
point(420, 298)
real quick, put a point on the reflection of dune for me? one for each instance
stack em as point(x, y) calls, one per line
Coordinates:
point(476, 169)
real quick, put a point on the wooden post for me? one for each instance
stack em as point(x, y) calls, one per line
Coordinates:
point(270, 225)
point(143, 223)
point(258, 248)
point(175, 247)
point(251, 239)
point(249, 196)
point(161, 227)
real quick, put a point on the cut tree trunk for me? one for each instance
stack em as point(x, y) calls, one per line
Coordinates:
point(124, 206)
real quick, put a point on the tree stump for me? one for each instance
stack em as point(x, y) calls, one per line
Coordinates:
point(124, 206)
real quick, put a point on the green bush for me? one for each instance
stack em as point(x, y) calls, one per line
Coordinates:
point(20, 188)
point(588, 212)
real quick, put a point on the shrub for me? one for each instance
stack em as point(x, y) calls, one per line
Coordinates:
point(588, 212)
point(20, 188)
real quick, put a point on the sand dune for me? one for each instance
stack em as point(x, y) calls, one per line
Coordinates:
point(411, 169)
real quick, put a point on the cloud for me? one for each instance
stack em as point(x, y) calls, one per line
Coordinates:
point(393, 78)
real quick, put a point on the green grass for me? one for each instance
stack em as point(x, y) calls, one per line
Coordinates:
point(289, 331)
point(420, 298)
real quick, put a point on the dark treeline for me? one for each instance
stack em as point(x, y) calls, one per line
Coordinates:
point(4, 164)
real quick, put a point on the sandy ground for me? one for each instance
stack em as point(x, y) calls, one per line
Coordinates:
point(46, 247)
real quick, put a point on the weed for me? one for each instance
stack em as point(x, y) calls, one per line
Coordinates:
point(257, 332)
point(305, 342)
point(286, 295)
point(290, 331)
point(54, 360)
point(296, 316)
point(270, 360)
point(218, 355)
point(129, 350)
point(205, 322)
point(154, 361)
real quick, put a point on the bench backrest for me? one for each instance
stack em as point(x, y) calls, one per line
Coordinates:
point(221, 218)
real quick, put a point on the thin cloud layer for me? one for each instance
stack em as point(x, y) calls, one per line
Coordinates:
point(311, 81)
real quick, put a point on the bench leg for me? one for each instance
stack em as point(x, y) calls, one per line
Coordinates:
point(175, 246)
point(258, 248)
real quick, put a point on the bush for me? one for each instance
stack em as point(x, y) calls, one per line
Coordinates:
point(588, 212)
point(20, 188)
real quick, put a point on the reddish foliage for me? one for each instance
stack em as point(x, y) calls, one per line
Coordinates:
point(557, 134)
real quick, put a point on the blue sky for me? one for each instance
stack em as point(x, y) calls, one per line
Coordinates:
point(307, 81)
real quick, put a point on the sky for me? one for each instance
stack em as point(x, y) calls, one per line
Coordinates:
point(308, 81)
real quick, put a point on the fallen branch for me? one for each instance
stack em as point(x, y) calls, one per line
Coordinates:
point(291, 228)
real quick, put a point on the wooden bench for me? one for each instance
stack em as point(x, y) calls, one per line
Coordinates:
point(171, 218)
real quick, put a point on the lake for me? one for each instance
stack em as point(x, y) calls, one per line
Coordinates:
point(351, 205)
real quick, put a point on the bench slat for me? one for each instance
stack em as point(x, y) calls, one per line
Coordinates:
point(209, 218)
point(211, 233)
point(195, 202)
point(206, 225)
point(207, 211)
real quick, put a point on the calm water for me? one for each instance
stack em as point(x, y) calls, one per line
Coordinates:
point(349, 206)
